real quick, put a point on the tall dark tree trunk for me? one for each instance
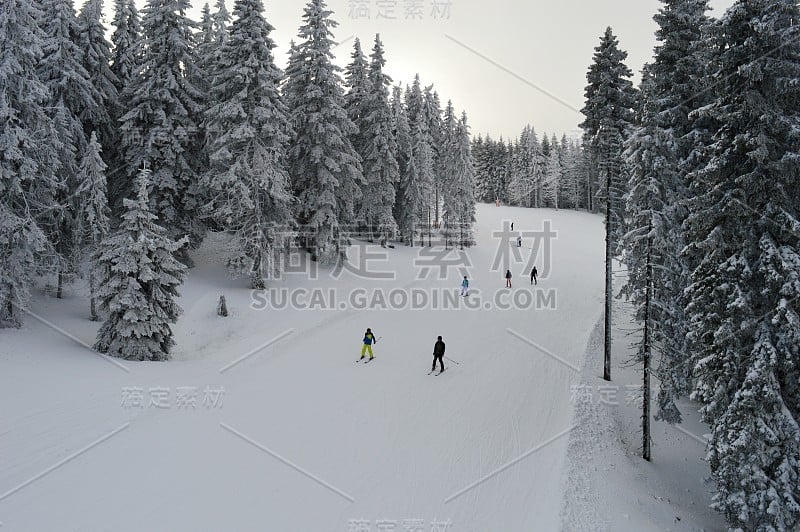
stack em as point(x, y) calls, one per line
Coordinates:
point(92, 307)
point(436, 206)
point(609, 259)
point(646, 351)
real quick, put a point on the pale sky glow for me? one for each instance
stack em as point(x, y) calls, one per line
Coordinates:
point(487, 56)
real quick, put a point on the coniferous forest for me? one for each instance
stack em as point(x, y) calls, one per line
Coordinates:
point(123, 147)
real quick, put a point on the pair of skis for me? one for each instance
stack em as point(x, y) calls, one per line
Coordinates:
point(436, 375)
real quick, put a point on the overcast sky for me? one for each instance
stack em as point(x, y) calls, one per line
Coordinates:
point(493, 58)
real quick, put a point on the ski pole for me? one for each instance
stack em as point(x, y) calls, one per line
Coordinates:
point(451, 360)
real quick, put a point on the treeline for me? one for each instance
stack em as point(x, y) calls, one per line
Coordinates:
point(122, 154)
point(700, 171)
point(528, 172)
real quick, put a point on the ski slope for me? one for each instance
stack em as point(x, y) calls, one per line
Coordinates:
point(295, 435)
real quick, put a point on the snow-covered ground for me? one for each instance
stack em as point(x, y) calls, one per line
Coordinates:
point(289, 433)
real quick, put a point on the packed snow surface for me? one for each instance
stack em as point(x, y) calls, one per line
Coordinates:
point(265, 421)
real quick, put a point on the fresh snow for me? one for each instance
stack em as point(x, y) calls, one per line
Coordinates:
point(304, 439)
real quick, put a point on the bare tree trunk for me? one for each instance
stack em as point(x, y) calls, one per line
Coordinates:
point(646, 352)
point(60, 284)
point(436, 207)
point(92, 306)
point(609, 283)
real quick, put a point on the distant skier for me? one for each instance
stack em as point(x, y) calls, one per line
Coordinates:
point(508, 278)
point(465, 286)
point(438, 354)
point(534, 273)
point(512, 226)
point(519, 241)
point(369, 339)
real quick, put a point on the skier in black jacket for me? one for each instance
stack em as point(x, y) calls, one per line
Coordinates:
point(438, 354)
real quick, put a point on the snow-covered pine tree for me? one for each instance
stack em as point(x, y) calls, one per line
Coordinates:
point(404, 155)
point(212, 35)
point(293, 77)
point(325, 169)
point(524, 187)
point(160, 127)
point(498, 162)
point(247, 136)
point(551, 184)
point(355, 103)
point(355, 99)
point(97, 62)
point(93, 212)
point(74, 104)
point(28, 157)
point(508, 169)
point(203, 37)
point(571, 174)
point(647, 150)
point(381, 171)
point(127, 49)
point(431, 111)
point(126, 42)
point(609, 101)
point(138, 277)
point(447, 177)
point(414, 100)
point(744, 220)
point(657, 270)
point(478, 150)
point(462, 184)
point(420, 180)
point(608, 112)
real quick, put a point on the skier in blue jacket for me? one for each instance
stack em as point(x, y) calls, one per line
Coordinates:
point(369, 339)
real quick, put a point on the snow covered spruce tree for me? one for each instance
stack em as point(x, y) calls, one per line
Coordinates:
point(647, 151)
point(571, 173)
point(126, 42)
point(247, 135)
point(74, 105)
point(414, 189)
point(460, 178)
point(431, 111)
point(324, 167)
point(404, 213)
point(161, 126)
point(447, 177)
point(524, 188)
point(417, 184)
point(744, 219)
point(551, 182)
point(28, 157)
point(609, 101)
point(655, 156)
point(378, 148)
point(608, 112)
point(96, 60)
point(92, 215)
point(355, 99)
point(138, 277)
point(212, 35)
point(127, 47)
